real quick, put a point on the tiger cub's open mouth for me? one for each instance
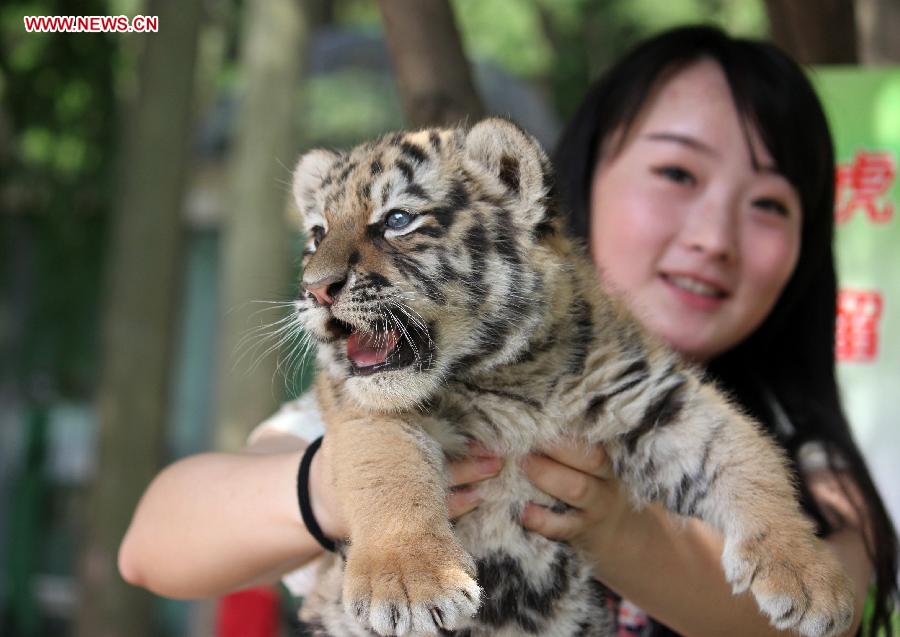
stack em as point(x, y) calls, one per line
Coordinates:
point(380, 350)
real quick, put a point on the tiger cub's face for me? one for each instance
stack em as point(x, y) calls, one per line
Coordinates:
point(426, 257)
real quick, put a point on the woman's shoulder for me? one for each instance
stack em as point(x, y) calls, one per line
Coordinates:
point(300, 417)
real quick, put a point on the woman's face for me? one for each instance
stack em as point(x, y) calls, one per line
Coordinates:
point(697, 239)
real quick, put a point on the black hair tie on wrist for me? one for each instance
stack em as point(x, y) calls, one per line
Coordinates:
point(303, 497)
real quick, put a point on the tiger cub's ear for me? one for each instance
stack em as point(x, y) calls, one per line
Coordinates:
point(308, 175)
point(513, 161)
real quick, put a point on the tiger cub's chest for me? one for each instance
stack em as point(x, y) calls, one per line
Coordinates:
point(510, 423)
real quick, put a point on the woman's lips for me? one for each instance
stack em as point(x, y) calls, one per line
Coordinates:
point(694, 292)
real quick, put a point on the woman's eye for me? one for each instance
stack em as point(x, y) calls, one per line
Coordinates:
point(398, 219)
point(772, 205)
point(676, 174)
point(317, 233)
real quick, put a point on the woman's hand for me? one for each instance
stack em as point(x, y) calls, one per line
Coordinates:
point(688, 590)
point(464, 476)
point(581, 477)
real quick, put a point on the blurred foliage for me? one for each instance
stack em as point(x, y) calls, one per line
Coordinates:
point(518, 34)
point(58, 125)
point(58, 105)
point(565, 45)
point(509, 32)
point(361, 14)
point(347, 107)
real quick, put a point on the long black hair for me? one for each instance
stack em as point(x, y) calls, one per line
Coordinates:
point(787, 366)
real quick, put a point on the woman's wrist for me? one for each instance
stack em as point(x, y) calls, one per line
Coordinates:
point(623, 536)
point(322, 500)
point(684, 556)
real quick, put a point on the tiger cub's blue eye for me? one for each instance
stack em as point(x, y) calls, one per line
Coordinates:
point(397, 219)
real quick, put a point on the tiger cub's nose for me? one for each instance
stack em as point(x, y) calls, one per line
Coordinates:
point(326, 290)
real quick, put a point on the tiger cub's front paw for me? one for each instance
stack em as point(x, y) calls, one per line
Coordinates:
point(417, 587)
point(799, 585)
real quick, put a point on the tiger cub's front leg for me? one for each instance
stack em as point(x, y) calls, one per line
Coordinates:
point(405, 572)
point(674, 439)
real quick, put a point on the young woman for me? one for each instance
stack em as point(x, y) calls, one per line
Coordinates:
point(700, 172)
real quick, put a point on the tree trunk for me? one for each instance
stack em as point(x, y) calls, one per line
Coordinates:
point(432, 72)
point(144, 272)
point(320, 13)
point(879, 31)
point(255, 241)
point(815, 31)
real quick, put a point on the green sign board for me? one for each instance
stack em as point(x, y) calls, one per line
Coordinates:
point(863, 108)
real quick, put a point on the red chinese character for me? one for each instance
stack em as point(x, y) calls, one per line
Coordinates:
point(861, 183)
point(857, 325)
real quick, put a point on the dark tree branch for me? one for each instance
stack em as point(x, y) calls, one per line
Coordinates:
point(432, 72)
point(815, 31)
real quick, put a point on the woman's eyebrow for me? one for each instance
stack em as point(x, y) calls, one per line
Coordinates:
point(684, 140)
point(768, 169)
point(696, 144)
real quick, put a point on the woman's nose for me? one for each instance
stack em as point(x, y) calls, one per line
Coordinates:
point(711, 227)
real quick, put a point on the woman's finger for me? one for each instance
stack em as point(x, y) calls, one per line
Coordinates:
point(574, 487)
point(473, 469)
point(462, 500)
point(586, 458)
point(555, 526)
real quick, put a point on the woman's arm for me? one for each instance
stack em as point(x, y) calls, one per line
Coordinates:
point(670, 569)
point(216, 522)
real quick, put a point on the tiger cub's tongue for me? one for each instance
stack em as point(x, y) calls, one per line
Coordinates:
point(366, 350)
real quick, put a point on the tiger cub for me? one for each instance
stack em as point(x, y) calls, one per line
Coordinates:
point(449, 306)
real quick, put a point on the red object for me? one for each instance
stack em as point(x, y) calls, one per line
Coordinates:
point(859, 312)
point(249, 613)
point(862, 184)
